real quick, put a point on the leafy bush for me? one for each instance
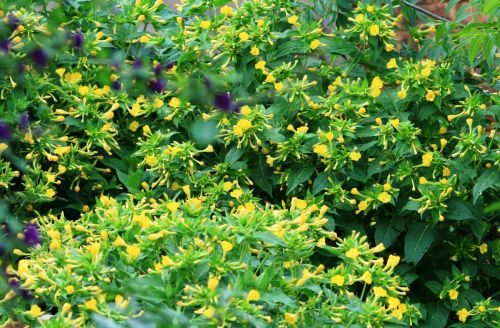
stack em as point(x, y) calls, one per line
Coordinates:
point(217, 165)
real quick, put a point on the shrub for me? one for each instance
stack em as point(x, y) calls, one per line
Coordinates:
point(240, 153)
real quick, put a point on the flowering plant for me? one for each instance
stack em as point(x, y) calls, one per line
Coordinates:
point(269, 162)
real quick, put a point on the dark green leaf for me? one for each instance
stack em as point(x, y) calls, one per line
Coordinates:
point(418, 240)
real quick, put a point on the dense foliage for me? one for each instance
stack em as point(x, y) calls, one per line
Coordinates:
point(272, 163)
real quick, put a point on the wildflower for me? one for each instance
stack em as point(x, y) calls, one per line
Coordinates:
point(392, 261)
point(352, 253)
point(31, 235)
point(93, 249)
point(337, 280)
point(50, 193)
point(158, 103)
point(402, 94)
point(224, 102)
point(315, 44)
point(278, 86)
point(78, 40)
point(35, 311)
point(363, 205)
point(226, 246)
point(354, 156)
point(244, 37)
point(389, 47)
point(291, 318)
point(255, 51)
point(370, 9)
point(167, 261)
point(392, 64)
point(213, 283)
point(427, 159)
point(430, 95)
point(209, 312)
point(5, 46)
point(174, 102)
point(321, 149)
point(393, 302)
point(483, 248)
point(463, 314)
point(359, 18)
point(157, 85)
point(4, 131)
point(374, 30)
point(367, 277)
point(384, 197)
point(72, 78)
point(91, 304)
point(70, 289)
point(306, 275)
point(133, 252)
point(39, 57)
point(242, 126)
point(205, 24)
point(293, 19)
point(226, 10)
point(453, 294)
point(83, 90)
point(253, 295)
point(379, 292)
point(261, 64)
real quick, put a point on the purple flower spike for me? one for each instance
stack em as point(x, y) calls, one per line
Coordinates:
point(4, 131)
point(158, 69)
point(157, 85)
point(224, 102)
point(31, 235)
point(78, 40)
point(116, 85)
point(5, 46)
point(137, 64)
point(24, 121)
point(39, 57)
point(13, 21)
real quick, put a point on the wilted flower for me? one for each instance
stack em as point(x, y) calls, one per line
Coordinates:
point(4, 131)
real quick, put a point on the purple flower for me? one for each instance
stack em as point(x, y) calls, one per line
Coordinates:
point(5, 46)
point(38, 132)
point(4, 131)
point(24, 121)
point(13, 21)
point(116, 85)
point(39, 57)
point(158, 69)
point(157, 85)
point(224, 102)
point(78, 40)
point(137, 64)
point(31, 235)
point(26, 294)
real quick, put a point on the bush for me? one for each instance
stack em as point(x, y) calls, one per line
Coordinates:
point(218, 166)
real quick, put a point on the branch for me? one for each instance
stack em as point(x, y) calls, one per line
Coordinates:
point(426, 12)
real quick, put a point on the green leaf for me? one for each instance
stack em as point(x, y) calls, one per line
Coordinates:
point(278, 296)
point(262, 176)
point(434, 286)
point(233, 155)
point(485, 181)
point(437, 316)
point(296, 177)
point(418, 240)
point(388, 229)
point(131, 181)
point(459, 210)
point(320, 183)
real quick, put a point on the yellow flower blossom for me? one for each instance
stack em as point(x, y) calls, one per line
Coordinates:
point(291, 318)
point(244, 37)
point(379, 292)
point(360, 18)
point(315, 44)
point(174, 102)
point(392, 63)
point(374, 30)
point(352, 253)
point(453, 294)
point(337, 280)
point(321, 149)
point(213, 282)
point(226, 246)
point(367, 277)
point(463, 314)
point(430, 95)
point(253, 295)
point(384, 197)
point(293, 19)
point(355, 156)
point(226, 10)
point(91, 304)
point(483, 248)
point(261, 64)
point(427, 159)
point(402, 94)
point(35, 311)
point(255, 51)
point(133, 252)
point(205, 24)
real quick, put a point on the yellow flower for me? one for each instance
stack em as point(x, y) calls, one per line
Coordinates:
point(483, 248)
point(83, 90)
point(393, 302)
point(244, 36)
point(384, 197)
point(213, 283)
point(430, 95)
point(321, 149)
point(226, 10)
point(209, 312)
point(337, 280)
point(93, 249)
point(402, 94)
point(363, 205)
point(91, 304)
point(174, 102)
point(278, 86)
point(374, 30)
point(50, 193)
point(255, 51)
point(359, 18)
point(253, 295)
point(367, 277)
point(136, 110)
point(315, 44)
point(369, 9)
point(293, 19)
point(377, 83)
point(392, 261)
point(270, 79)
point(72, 77)
point(205, 24)
point(35, 311)
point(70, 289)
point(133, 126)
point(291, 318)
point(158, 103)
point(60, 71)
point(133, 252)
point(144, 38)
point(392, 64)
point(261, 64)
point(354, 156)
point(453, 294)
point(463, 314)
point(353, 253)
point(389, 47)
point(226, 246)
point(379, 292)
point(427, 159)
point(166, 261)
